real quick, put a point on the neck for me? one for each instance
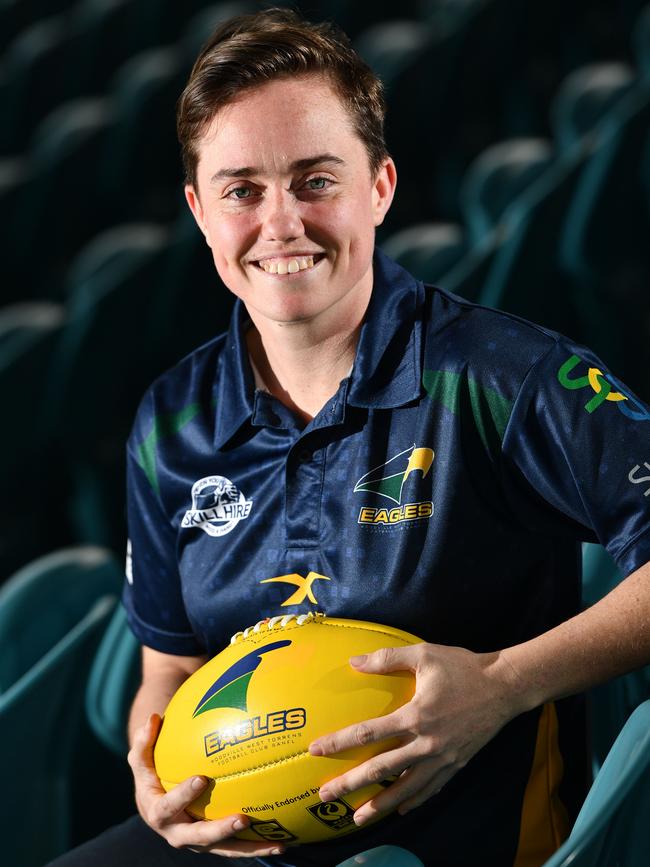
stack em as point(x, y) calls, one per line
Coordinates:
point(303, 363)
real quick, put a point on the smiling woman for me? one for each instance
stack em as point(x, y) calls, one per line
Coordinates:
point(292, 231)
point(399, 455)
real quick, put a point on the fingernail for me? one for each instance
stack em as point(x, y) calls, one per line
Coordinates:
point(326, 795)
point(198, 783)
point(360, 819)
point(403, 810)
point(316, 750)
point(238, 825)
point(358, 660)
point(277, 851)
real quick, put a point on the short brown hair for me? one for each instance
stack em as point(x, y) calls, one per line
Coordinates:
point(250, 50)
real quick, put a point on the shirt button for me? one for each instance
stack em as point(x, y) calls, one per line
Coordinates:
point(304, 456)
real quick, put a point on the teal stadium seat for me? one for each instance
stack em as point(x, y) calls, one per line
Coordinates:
point(612, 828)
point(384, 856)
point(139, 171)
point(428, 250)
point(34, 71)
point(585, 97)
point(39, 725)
point(490, 185)
point(45, 599)
point(604, 245)
point(526, 277)
point(102, 366)
point(29, 473)
point(114, 678)
point(192, 305)
point(611, 703)
point(58, 194)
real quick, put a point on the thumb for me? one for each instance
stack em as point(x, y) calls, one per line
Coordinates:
point(386, 659)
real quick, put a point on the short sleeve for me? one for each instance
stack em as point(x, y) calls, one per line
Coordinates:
point(152, 594)
point(580, 439)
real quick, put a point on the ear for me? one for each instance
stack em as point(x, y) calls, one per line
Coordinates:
point(383, 190)
point(192, 199)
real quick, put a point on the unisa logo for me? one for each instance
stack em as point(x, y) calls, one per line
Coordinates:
point(217, 506)
point(230, 690)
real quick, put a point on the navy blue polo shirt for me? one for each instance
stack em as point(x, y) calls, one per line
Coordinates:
point(444, 489)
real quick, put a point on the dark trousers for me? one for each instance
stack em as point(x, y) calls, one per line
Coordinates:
point(134, 844)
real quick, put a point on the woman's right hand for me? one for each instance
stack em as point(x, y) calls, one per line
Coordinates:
point(165, 812)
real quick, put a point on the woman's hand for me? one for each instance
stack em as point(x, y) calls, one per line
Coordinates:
point(461, 701)
point(165, 812)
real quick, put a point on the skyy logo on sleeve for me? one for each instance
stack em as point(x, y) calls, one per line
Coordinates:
point(388, 480)
point(605, 388)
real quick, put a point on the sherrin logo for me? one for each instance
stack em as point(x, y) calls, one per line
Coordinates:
point(217, 506)
point(388, 480)
point(230, 690)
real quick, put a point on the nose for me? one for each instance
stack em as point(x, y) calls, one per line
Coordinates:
point(281, 220)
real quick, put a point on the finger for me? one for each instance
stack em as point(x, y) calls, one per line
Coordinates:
point(387, 659)
point(375, 770)
point(167, 808)
point(140, 756)
point(414, 787)
point(216, 836)
point(413, 782)
point(361, 734)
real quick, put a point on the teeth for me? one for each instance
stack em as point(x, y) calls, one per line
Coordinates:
point(287, 266)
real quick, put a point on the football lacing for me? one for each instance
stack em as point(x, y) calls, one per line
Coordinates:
point(271, 622)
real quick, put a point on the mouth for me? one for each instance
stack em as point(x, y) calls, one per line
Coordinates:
point(289, 264)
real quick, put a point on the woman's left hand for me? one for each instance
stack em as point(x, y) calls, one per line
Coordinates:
point(461, 701)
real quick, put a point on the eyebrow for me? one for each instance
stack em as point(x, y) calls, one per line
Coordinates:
point(298, 165)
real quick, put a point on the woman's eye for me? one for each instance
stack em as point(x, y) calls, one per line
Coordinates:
point(240, 193)
point(317, 183)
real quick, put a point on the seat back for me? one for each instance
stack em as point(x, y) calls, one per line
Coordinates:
point(114, 678)
point(612, 827)
point(40, 717)
point(42, 602)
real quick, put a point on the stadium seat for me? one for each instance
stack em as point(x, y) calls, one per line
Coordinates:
point(496, 177)
point(139, 170)
point(102, 366)
point(39, 724)
point(58, 194)
point(428, 250)
point(490, 186)
point(28, 469)
point(35, 71)
point(611, 703)
point(612, 826)
point(383, 856)
point(584, 98)
point(604, 241)
point(42, 602)
point(114, 678)
point(192, 304)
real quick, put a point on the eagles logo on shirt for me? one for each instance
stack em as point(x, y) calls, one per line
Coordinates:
point(388, 481)
point(217, 506)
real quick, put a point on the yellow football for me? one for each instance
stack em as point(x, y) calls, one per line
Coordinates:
point(246, 718)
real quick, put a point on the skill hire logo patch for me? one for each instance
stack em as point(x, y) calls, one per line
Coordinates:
point(230, 690)
point(389, 480)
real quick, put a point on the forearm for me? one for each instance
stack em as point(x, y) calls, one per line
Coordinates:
point(608, 639)
point(162, 674)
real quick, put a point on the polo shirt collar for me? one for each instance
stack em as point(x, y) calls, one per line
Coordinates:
point(388, 360)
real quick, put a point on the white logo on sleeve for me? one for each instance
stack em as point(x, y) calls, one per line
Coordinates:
point(128, 566)
point(217, 506)
point(636, 477)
